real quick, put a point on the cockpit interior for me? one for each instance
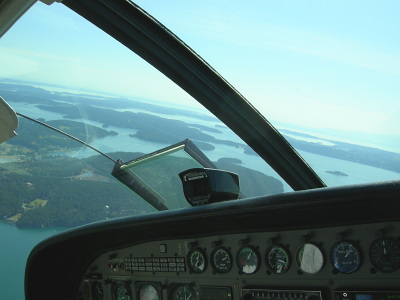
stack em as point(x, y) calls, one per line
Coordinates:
point(305, 245)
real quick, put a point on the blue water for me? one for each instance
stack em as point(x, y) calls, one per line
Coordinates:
point(14, 250)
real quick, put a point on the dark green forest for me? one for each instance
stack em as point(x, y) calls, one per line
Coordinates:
point(37, 137)
point(81, 191)
point(78, 192)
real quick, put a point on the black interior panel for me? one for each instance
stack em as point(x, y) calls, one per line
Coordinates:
point(58, 267)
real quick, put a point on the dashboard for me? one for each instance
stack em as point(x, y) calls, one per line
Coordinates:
point(259, 265)
point(330, 243)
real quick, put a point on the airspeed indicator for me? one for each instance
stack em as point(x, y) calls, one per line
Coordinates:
point(345, 257)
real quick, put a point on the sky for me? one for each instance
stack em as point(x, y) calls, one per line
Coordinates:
point(322, 64)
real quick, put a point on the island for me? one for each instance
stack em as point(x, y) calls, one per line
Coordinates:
point(337, 173)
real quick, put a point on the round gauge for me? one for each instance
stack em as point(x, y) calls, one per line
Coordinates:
point(277, 259)
point(197, 261)
point(310, 259)
point(247, 260)
point(345, 257)
point(97, 290)
point(183, 292)
point(148, 292)
point(221, 260)
point(121, 290)
point(385, 255)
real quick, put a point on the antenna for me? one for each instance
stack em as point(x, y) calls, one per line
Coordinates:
point(68, 135)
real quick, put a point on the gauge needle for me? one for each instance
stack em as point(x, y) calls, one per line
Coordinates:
point(249, 255)
point(187, 295)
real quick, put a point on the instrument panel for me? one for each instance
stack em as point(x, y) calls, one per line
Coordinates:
point(318, 263)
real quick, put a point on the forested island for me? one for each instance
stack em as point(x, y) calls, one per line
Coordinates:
point(337, 173)
point(355, 153)
point(110, 112)
point(36, 137)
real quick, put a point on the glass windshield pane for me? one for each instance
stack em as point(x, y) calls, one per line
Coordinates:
point(324, 74)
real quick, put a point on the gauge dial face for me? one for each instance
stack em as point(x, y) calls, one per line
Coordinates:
point(385, 255)
point(310, 259)
point(121, 291)
point(97, 290)
point(221, 260)
point(148, 292)
point(248, 260)
point(197, 261)
point(278, 260)
point(345, 257)
point(183, 292)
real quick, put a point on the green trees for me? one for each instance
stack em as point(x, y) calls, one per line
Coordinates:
point(72, 199)
point(75, 199)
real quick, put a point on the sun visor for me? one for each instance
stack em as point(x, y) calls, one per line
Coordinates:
point(8, 121)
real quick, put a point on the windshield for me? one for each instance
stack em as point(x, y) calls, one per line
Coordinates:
point(326, 80)
point(325, 75)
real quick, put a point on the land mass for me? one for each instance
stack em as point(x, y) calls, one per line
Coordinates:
point(350, 152)
point(116, 112)
point(337, 173)
point(36, 137)
point(65, 191)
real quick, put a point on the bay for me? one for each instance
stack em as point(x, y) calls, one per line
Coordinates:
point(357, 173)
